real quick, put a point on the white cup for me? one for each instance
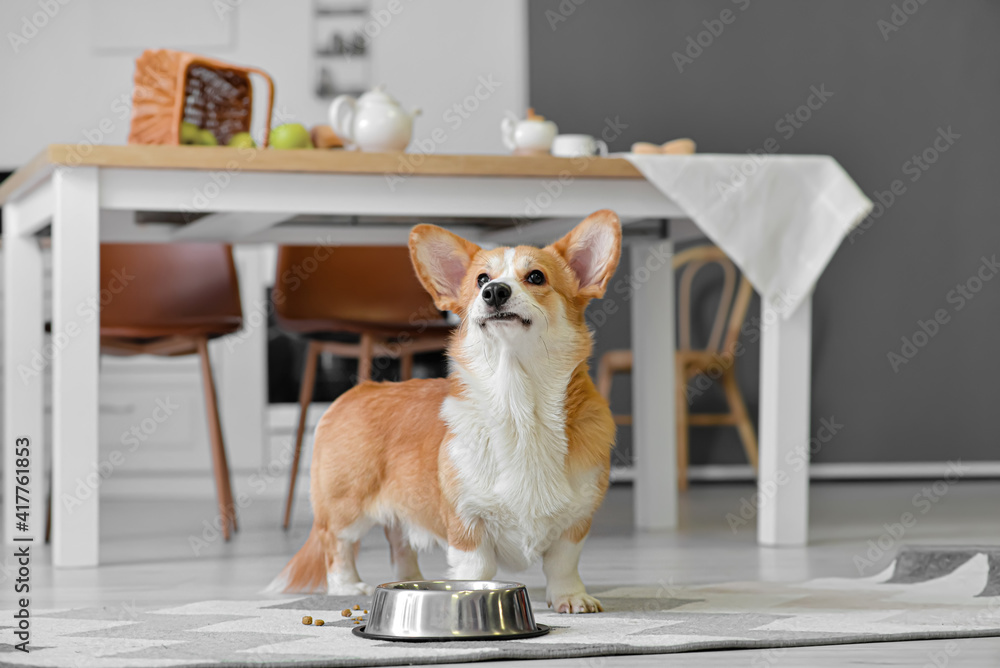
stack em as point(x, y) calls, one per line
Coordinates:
point(575, 146)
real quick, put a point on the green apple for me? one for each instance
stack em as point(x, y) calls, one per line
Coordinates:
point(242, 140)
point(290, 135)
point(189, 133)
point(206, 138)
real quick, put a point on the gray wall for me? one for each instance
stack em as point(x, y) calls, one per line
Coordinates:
point(891, 95)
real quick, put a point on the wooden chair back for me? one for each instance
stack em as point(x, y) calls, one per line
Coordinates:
point(350, 288)
point(733, 302)
point(183, 289)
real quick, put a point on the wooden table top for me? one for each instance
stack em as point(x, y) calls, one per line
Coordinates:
point(312, 161)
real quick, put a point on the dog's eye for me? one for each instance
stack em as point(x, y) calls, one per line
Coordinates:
point(536, 277)
point(482, 280)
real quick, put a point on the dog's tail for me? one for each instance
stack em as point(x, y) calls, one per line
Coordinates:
point(306, 572)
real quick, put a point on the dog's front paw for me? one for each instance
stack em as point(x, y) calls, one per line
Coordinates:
point(350, 589)
point(577, 602)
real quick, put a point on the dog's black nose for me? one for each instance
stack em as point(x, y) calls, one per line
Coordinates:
point(495, 294)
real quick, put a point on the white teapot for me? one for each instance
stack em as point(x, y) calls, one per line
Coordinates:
point(532, 136)
point(373, 122)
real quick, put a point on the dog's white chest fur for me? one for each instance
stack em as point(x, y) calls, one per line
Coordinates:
point(508, 448)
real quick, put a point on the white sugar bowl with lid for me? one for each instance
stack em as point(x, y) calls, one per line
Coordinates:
point(531, 136)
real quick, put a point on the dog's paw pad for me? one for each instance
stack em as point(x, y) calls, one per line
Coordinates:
point(574, 603)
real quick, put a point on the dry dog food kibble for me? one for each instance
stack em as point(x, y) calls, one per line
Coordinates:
point(346, 612)
point(364, 612)
point(319, 622)
point(307, 620)
point(356, 607)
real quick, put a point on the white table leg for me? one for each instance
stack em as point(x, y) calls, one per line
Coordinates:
point(24, 370)
point(783, 482)
point(241, 369)
point(654, 439)
point(76, 335)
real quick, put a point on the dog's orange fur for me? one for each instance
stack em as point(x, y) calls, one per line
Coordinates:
point(377, 440)
point(385, 443)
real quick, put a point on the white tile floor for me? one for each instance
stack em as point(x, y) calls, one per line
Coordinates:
point(148, 551)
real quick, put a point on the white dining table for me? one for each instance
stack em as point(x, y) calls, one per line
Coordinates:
point(82, 196)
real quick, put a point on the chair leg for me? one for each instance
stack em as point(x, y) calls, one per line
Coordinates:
point(680, 398)
point(605, 375)
point(405, 365)
point(305, 398)
point(612, 362)
point(739, 409)
point(366, 357)
point(48, 513)
point(223, 487)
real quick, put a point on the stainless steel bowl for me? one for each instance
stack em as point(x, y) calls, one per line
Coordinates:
point(424, 610)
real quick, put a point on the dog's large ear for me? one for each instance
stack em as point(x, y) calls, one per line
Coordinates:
point(441, 260)
point(592, 249)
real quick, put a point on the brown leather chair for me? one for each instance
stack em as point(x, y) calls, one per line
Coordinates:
point(370, 292)
point(717, 359)
point(174, 298)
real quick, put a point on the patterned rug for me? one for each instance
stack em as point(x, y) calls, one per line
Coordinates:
point(926, 593)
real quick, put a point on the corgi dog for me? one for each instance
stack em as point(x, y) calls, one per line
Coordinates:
point(501, 463)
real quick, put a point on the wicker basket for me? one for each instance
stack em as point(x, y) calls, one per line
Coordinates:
point(173, 86)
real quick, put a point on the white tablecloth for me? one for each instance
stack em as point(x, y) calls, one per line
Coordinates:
point(780, 218)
